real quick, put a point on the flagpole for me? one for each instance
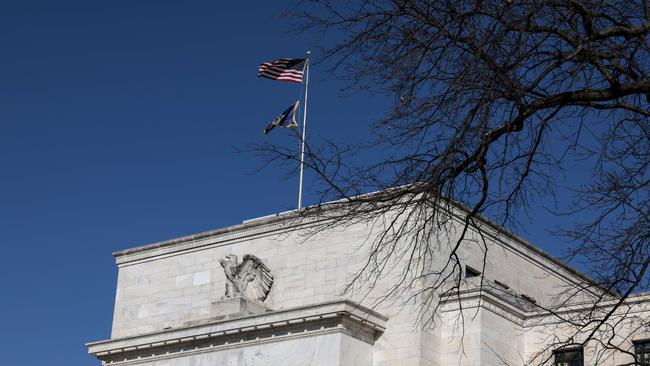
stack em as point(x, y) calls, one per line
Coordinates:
point(304, 133)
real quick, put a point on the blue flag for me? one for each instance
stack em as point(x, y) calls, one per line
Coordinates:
point(286, 119)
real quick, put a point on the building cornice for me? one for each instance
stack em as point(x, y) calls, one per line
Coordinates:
point(286, 222)
point(329, 317)
point(473, 297)
point(280, 223)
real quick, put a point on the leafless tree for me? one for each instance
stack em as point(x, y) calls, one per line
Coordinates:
point(492, 100)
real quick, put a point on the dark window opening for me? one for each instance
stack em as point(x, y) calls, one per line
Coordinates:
point(569, 357)
point(471, 272)
point(642, 352)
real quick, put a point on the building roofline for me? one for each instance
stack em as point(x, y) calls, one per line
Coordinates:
point(246, 224)
point(283, 217)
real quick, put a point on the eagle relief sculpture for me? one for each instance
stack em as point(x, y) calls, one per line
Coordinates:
point(250, 279)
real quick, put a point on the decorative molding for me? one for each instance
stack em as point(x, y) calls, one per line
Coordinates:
point(333, 317)
point(528, 316)
point(475, 298)
point(289, 221)
point(253, 228)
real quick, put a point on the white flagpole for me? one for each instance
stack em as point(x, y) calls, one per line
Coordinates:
point(304, 133)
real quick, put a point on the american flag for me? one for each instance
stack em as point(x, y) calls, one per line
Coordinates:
point(287, 69)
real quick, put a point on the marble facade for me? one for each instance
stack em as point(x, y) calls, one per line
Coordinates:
point(170, 308)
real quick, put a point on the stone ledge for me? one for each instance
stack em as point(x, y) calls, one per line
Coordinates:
point(281, 223)
point(339, 316)
point(230, 308)
point(471, 296)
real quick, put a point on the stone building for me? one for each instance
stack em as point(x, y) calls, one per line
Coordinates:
point(260, 293)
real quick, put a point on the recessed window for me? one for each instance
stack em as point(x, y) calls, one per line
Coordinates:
point(471, 272)
point(642, 352)
point(569, 357)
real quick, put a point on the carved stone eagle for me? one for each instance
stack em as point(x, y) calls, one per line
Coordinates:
point(251, 278)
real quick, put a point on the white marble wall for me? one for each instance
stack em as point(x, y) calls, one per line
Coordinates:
point(173, 288)
point(629, 324)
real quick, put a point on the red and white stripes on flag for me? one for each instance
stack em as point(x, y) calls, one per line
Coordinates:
point(287, 69)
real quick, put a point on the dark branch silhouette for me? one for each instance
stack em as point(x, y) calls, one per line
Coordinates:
point(493, 98)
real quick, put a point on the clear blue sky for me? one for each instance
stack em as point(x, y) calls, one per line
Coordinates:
point(118, 127)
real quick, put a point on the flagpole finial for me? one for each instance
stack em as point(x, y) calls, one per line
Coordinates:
point(308, 53)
